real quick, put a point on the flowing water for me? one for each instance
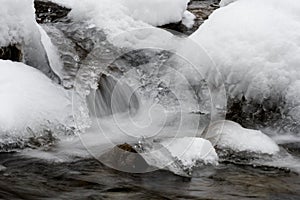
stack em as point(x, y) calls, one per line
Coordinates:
point(135, 93)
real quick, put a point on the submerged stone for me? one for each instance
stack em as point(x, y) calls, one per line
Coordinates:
point(124, 158)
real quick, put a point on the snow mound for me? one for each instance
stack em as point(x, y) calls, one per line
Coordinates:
point(191, 150)
point(230, 135)
point(29, 99)
point(156, 12)
point(188, 19)
point(255, 46)
point(116, 17)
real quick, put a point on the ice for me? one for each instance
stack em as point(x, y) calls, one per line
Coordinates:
point(52, 53)
point(231, 135)
point(29, 99)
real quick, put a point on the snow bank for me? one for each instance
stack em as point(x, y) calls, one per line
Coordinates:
point(255, 44)
point(190, 150)
point(29, 99)
point(230, 135)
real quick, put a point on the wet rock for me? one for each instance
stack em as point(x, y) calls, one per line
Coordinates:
point(253, 114)
point(124, 158)
point(47, 11)
point(293, 148)
point(12, 52)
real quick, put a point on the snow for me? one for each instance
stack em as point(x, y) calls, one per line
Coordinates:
point(110, 16)
point(255, 45)
point(116, 17)
point(190, 150)
point(188, 19)
point(226, 2)
point(29, 99)
point(18, 26)
point(230, 135)
point(17, 21)
point(156, 12)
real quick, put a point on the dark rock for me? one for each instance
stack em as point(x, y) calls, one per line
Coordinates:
point(47, 11)
point(293, 148)
point(124, 158)
point(201, 9)
point(11, 52)
point(253, 114)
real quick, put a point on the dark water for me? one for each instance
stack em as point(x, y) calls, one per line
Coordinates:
point(30, 178)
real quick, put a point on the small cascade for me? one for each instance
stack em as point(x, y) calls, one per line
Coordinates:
point(111, 97)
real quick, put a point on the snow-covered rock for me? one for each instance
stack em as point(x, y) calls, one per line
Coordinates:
point(18, 27)
point(191, 150)
point(29, 99)
point(230, 135)
point(156, 12)
point(255, 44)
point(116, 17)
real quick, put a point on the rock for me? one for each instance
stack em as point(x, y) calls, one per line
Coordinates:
point(12, 52)
point(124, 158)
point(253, 114)
point(47, 11)
point(201, 9)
